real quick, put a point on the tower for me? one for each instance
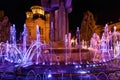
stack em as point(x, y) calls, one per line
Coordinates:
point(58, 10)
point(52, 18)
point(40, 18)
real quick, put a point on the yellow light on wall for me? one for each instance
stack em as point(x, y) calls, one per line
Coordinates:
point(37, 10)
point(29, 14)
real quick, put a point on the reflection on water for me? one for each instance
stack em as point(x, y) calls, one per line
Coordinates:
point(59, 72)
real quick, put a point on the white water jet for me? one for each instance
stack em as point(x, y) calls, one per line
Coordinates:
point(35, 49)
point(25, 35)
point(66, 49)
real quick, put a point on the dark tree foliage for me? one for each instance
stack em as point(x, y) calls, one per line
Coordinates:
point(87, 26)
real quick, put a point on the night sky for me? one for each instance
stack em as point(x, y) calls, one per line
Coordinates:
point(104, 11)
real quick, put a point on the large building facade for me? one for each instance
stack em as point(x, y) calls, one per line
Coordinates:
point(55, 25)
point(42, 20)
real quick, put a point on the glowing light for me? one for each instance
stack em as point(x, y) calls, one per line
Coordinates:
point(83, 71)
point(80, 66)
point(29, 14)
point(114, 28)
point(43, 63)
point(104, 60)
point(76, 66)
point(94, 65)
point(49, 75)
point(72, 40)
point(87, 65)
point(37, 10)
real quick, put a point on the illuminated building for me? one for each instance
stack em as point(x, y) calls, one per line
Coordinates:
point(38, 17)
point(52, 20)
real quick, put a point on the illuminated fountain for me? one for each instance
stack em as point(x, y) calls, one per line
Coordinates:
point(104, 45)
point(25, 36)
point(100, 47)
point(26, 55)
point(115, 37)
point(34, 52)
point(66, 49)
point(2, 52)
point(108, 46)
point(110, 43)
point(13, 54)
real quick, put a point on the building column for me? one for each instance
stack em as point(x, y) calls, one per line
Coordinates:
point(62, 24)
point(52, 27)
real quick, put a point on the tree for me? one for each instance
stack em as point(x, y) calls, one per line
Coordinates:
point(87, 26)
point(4, 29)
